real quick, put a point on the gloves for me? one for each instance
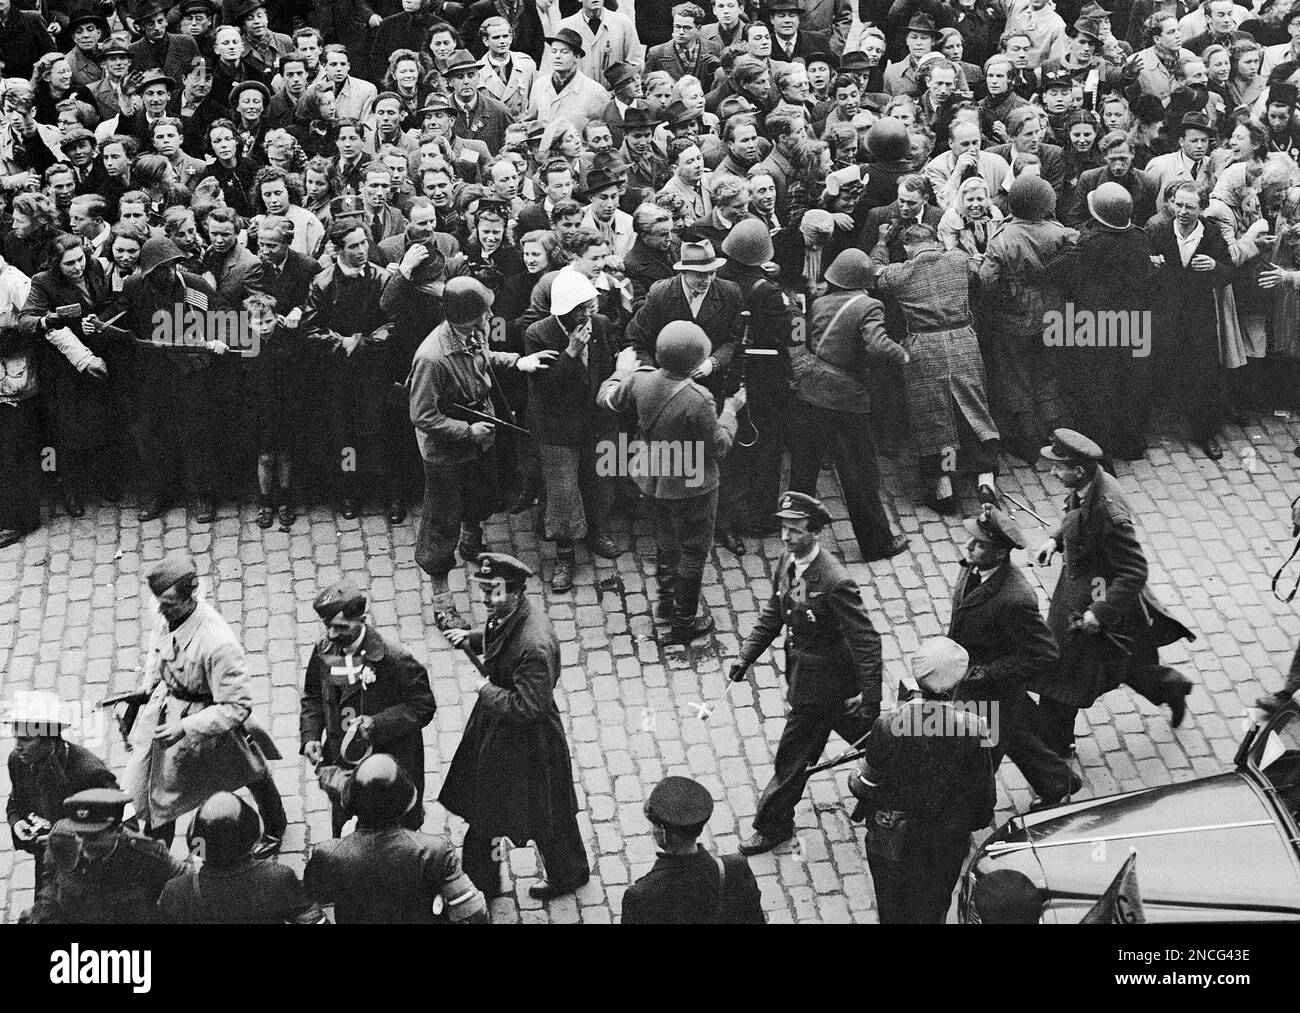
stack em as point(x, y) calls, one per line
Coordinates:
point(737, 671)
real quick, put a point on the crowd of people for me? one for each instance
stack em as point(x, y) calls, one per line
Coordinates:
point(460, 252)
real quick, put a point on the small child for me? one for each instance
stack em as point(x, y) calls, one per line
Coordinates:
point(276, 402)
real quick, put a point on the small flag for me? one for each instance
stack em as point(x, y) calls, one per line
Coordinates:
point(195, 298)
point(1121, 904)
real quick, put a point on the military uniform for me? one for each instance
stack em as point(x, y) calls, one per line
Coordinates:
point(114, 879)
point(832, 655)
point(1105, 572)
point(251, 892)
point(374, 678)
point(995, 618)
point(692, 887)
point(511, 776)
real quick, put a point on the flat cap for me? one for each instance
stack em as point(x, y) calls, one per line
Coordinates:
point(94, 810)
point(795, 506)
point(1070, 447)
point(996, 528)
point(343, 596)
point(346, 205)
point(171, 570)
point(939, 663)
point(679, 802)
point(494, 566)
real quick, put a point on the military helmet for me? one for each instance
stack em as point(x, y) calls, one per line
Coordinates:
point(380, 791)
point(464, 300)
point(681, 347)
point(225, 829)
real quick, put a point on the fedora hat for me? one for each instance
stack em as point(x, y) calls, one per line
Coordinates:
point(156, 76)
point(89, 18)
point(437, 103)
point(637, 118)
point(923, 23)
point(1086, 28)
point(618, 74)
point(699, 257)
point(597, 180)
point(678, 114)
point(568, 37)
point(462, 62)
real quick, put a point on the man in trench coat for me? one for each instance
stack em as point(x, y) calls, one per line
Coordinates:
point(355, 675)
point(511, 778)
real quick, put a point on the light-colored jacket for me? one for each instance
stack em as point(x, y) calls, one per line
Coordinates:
point(616, 41)
point(512, 94)
point(581, 100)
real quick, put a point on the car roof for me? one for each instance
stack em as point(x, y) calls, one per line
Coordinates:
point(1211, 842)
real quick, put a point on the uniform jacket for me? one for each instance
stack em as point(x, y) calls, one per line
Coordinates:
point(511, 775)
point(1105, 571)
point(203, 660)
point(999, 624)
point(120, 888)
point(389, 686)
point(683, 890)
point(1140, 185)
point(673, 408)
point(41, 788)
point(562, 399)
point(832, 651)
point(857, 343)
point(1015, 293)
point(719, 317)
point(943, 782)
point(251, 892)
point(386, 876)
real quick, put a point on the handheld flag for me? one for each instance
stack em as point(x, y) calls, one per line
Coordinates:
point(1121, 904)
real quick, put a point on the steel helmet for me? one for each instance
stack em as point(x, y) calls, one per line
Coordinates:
point(681, 347)
point(156, 252)
point(225, 829)
point(749, 242)
point(464, 300)
point(887, 140)
point(1111, 205)
point(569, 290)
point(380, 791)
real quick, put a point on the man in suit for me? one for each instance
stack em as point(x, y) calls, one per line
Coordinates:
point(686, 53)
point(1188, 161)
point(995, 617)
point(24, 39)
point(790, 43)
point(625, 85)
point(911, 207)
point(1141, 186)
point(159, 48)
point(832, 662)
point(688, 884)
point(479, 116)
point(784, 130)
point(1106, 622)
point(728, 32)
point(1026, 127)
point(356, 676)
point(1195, 265)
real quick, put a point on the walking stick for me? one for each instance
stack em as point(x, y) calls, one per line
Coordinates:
point(1021, 506)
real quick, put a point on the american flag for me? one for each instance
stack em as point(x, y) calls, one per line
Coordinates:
point(195, 298)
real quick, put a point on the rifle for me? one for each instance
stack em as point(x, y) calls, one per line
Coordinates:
point(134, 700)
point(464, 413)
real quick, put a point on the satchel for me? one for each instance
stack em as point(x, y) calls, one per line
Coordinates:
point(814, 379)
point(887, 834)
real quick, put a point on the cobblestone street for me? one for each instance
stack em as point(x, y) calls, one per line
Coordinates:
point(74, 608)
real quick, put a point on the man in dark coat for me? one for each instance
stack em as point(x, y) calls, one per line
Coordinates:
point(689, 885)
point(1106, 622)
point(172, 54)
point(1141, 186)
point(1196, 264)
point(995, 618)
point(43, 771)
point(925, 783)
point(832, 662)
point(23, 40)
point(356, 676)
point(511, 778)
point(383, 873)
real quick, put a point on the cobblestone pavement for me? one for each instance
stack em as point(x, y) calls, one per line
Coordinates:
point(74, 608)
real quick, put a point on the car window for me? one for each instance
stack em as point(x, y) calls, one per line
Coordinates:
point(1279, 759)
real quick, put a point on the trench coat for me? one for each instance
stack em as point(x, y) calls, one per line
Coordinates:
point(511, 775)
point(202, 659)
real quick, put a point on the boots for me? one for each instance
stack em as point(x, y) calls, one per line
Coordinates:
point(265, 511)
point(470, 545)
point(562, 578)
point(687, 626)
point(445, 615)
point(664, 608)
point(288, 514)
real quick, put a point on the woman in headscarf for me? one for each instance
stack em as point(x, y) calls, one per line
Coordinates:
point(971, 219)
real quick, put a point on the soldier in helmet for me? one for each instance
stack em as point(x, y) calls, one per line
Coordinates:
point(358, 677)
point(232, 887)
point(832, 662)
point(511, 778)
point(676, 413)
point(383, 873)
point(43, 770)
point(100, 873)
point(689, 885)
point(453, 371)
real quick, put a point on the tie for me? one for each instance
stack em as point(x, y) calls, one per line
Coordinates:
point(594, 25)
point(789, 575)
point(972, 582)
